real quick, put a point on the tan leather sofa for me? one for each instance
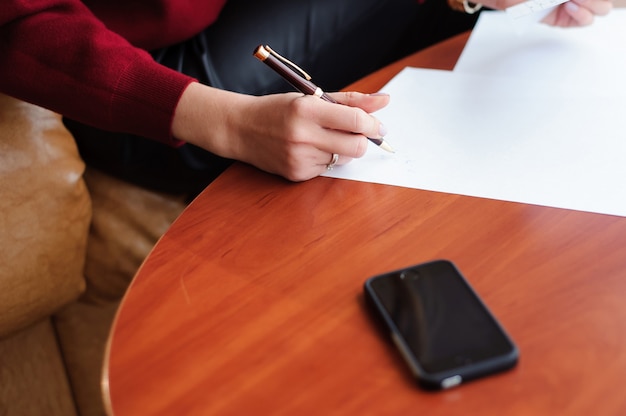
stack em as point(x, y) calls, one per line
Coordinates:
point(71, 240)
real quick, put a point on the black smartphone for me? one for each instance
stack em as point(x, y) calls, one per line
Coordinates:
point(443, 330)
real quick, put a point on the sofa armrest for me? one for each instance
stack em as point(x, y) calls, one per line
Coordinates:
point(45, 213)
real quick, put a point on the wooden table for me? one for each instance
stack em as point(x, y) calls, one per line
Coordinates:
point(251, 304)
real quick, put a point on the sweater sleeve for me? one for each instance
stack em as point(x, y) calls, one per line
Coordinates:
point(57, 54)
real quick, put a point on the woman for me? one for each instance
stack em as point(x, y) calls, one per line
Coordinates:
point(199, 90)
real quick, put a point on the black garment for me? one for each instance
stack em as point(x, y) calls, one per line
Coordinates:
point(336, 41)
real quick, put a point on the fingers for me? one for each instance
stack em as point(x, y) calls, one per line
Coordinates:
point(335, 159)
point(368, 102)
point(345, 144)
point(580, 15)
point(595, 7)
point(576, 13)
point(343, 128)
point(321, 163)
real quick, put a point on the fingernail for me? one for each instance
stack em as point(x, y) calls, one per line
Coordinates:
point(571, 6)
point(380, 94)
point(382, 130)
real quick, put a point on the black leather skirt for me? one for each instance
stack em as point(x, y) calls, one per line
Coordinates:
point(336, 41)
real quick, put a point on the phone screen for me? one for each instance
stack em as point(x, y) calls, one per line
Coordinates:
point(440, 318)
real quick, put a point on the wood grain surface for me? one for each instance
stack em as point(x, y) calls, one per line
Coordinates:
point(251, 304)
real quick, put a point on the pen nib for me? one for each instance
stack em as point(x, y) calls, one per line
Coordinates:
point(384, 145)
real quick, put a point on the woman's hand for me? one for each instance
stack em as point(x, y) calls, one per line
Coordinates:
point(291, 135)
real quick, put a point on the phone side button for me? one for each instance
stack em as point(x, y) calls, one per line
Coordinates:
point(449, 382)
point(405, 353)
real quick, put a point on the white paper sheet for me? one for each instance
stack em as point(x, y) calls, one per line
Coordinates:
point(594, 54)
point(533, 136)
point(538, 8)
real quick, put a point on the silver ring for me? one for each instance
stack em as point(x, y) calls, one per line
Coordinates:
point(333, 162)
point(471, 8)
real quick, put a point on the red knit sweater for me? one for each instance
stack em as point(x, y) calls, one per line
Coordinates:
point(88, 60)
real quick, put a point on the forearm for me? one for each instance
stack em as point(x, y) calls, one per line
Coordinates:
point(58, 55)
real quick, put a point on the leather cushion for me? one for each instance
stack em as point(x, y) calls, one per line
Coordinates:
point(44, 215)
point(127, 222)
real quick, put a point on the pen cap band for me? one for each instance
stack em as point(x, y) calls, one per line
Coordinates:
point(261, 53)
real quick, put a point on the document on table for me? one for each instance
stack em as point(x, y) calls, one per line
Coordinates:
point(591, 55)
point(494, 130)
point(537, 8)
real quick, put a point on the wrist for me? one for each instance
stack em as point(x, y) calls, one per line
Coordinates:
point(200, 118)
